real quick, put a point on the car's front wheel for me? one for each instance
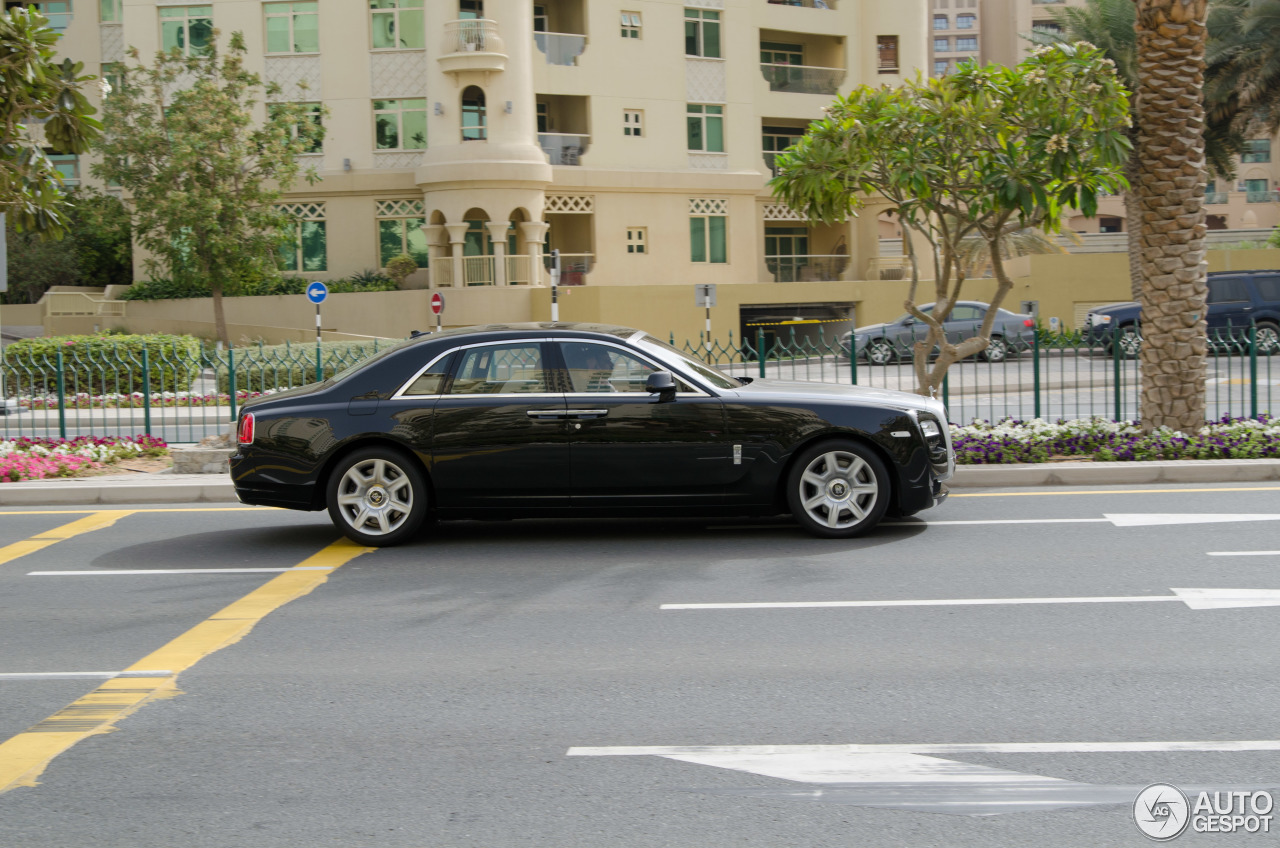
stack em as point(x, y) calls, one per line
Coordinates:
point(997, 350)
point(377, 496)
point(838, 489)
point(1268, 338)
point(881, 352)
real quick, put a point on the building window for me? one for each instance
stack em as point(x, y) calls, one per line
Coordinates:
point(110, 72)
point(543, 117)
point(887, 51)
point(940, 67)
point(109, 11)
point(708, 239)
point(470, 10)
point(1046, 27)
point(637, 239)
point(940, 22)
point(397, 24)
point(968, 21)
point(1257, 150)
point(632, 122)
point(706, 128)
point(702, 33)
point(630, 24)
point(400, 231)
point(307, 249)
point(541, 21)
point(293, 27)
point(776, 53)
point(941, 45)
point(187, 29)
point(400, 124)
point(313, 116)
point(967, 43)
point(67, 165)
point(475, 123)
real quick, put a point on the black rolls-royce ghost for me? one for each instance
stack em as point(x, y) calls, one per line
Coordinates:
point(583, 420)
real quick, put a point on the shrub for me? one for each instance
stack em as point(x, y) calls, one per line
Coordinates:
point(101, 364)
point(169, 290)
point(163, 289)
point(268, 367)
point(401, 267)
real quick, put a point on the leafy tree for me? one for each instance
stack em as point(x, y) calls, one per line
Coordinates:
point(1243, 56)
point(1170, 189)
point(35, 88)
point(95, 251)
point(983, 152)
point(201, 176)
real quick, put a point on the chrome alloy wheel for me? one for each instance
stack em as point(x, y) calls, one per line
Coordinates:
point(375, 497)
point(838, 489)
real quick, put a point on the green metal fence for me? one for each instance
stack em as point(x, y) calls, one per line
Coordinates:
point(1047, 376)
point(185, 396)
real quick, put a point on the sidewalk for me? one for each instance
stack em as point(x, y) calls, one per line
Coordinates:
point(167, 488)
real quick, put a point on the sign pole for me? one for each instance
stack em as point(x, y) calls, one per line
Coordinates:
point(317, 323)
point(555, 285)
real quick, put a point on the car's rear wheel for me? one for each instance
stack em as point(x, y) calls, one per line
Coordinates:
point(838, 489)
point(1268, 338)
point(377, 496)
point(1130, 342)
point(881, 352)
point(997, 350)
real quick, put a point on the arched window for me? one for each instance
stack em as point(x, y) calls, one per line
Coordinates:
point(475, 123)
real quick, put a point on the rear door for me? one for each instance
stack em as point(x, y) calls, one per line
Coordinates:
point(1230, 308)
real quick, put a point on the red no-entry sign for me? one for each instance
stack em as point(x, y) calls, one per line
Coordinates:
point(437, 303)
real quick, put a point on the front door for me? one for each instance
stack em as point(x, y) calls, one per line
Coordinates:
point(1229, 311)
point(629, 450)
point(499, 436)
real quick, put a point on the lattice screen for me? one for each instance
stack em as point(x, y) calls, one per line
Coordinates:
point(573, 204)
point(708, 206)
point(781, 212)
point(401, 209)
point(303, 211)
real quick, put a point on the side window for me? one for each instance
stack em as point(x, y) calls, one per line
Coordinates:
point(966, 313)
point(1230, 290)
point(1268, 288)
point(597, 368)
point(431, 381)
point(503, 369)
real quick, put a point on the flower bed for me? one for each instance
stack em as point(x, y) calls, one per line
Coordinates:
point(36, 459)
point(135, 400)
point(1101, 440)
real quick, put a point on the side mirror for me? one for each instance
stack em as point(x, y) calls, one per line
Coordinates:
point(662, 384)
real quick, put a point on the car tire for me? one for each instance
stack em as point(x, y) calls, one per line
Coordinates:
point(1130, 342)
point(881, 352)
point(838, 489)
point(997, 350)
point(1267, 336)
point(377, 496)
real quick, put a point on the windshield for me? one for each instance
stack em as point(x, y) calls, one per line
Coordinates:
point(675, 356)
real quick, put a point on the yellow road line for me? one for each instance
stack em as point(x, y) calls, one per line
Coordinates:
point(96, 521)
point(25, 757)
point(152, 509)
point(1111, 492)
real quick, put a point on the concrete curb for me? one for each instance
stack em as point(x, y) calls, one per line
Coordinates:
point(169, 488)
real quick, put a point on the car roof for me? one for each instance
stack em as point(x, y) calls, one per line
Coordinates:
point(530, 328)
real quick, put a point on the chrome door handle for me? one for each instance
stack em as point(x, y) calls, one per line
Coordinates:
point(546, 414)
point(587, 413)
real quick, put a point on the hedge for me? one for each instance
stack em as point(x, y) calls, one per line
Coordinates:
point(265, 367)
point(102, 364)
point(366, 281)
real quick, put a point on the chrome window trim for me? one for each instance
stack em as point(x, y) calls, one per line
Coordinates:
point(643, 356)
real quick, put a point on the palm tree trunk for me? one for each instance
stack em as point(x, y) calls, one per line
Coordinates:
point(1170, 190)
point(1133, 223)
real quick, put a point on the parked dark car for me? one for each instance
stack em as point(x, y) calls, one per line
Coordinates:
point(583, 420)
point(882, 344)
point(1236, 300)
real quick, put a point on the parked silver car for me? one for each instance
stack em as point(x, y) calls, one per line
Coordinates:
point(881, 344)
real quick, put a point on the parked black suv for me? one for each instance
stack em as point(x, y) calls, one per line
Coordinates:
point(1236, 300)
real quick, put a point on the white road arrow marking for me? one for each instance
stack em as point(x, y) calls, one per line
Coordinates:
point(1199, 599)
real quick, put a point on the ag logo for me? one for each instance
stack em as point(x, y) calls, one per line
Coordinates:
point(1161, 812)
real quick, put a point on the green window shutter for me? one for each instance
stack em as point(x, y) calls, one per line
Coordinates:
point(717, 237)
point(697, 239)
point(315, 253)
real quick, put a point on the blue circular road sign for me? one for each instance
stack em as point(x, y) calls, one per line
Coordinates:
point(317, 292)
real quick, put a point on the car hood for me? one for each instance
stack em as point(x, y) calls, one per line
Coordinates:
point(1107, 307)
point(798, 390)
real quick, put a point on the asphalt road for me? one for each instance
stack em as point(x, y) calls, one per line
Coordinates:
point(529, 684)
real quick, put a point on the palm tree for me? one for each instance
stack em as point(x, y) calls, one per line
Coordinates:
point(974, 254)
point(1171, 36)
point(1243, 74)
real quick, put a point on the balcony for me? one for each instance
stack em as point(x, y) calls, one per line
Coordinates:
point(807, 269)
point(560, 48)
point(574, 268)
point(808, 4)
point(889, 268)
point(1215, 197)
point(522, 270)
point(563, 148)
point(472, 45)
point(803, 79)
point(1267, 196)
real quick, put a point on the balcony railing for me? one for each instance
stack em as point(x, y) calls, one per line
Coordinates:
point(574, 268)
point(808, 268)
point(478, 271)
point(889, 268)
point(470, 36)
point(522, 271)
point(563, 148)
point(808, 4)
point(1267, 196)
point(1216, 197)
point(803, 79)
point(560, 48)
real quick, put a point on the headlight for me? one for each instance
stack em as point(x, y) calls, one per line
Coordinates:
point(930, 429)
point(1099, 318)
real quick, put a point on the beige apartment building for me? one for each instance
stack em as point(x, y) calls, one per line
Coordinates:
point(633, 136)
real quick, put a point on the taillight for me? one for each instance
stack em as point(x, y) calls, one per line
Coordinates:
point(1030, 322)
point(245, 434)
